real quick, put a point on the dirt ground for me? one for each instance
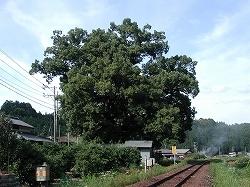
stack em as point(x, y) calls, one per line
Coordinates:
point(200, 179)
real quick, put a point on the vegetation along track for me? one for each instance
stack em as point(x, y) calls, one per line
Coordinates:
point(174, 179)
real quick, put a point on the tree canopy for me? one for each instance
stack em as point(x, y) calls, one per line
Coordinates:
point(118, 83)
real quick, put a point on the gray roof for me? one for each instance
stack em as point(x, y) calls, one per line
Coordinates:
point(138, 143)
point(31, 137)
point(164, 151)
point(20, 123)
point(168, 151)
point(182, 151)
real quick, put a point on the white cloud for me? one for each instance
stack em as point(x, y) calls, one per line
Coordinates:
point(43, 19)
point(223, 70)
point(221, 28)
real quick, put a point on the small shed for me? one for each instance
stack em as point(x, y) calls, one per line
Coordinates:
point(144, 146)
point(168, 153)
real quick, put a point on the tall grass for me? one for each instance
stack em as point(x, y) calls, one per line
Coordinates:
point(120, 179)
point(226, 176)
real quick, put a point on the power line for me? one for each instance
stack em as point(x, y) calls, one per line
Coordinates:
point(19, 85)
point(3, 52)
point(25, 96)
point(38, 91)
point(24, 93)
point(21, 74)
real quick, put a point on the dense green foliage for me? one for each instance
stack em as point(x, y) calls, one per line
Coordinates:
point(94, 158)
point(7, 142)
point(211, 137)
point(17, 156)
point(25, 112)
point(118, 84)
point(60, 158)
point(22, 157)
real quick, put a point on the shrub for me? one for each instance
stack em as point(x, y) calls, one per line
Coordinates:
point(24, 160)
point(60, 158)
point(94, 158)
point(196, 156)
point(167, 162)
point(242, 162)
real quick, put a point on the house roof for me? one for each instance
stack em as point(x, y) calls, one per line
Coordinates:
point(182, 151)
point(168, 151)
point(33, 137)
point(138, 143)
point(164, 151)
point(20, 123)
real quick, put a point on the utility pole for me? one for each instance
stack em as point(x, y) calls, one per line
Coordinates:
point(59, 127)
point(55, 114)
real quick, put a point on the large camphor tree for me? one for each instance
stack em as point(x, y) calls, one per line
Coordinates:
point(118, 84)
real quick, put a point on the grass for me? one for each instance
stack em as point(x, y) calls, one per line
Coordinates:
point(225, 175)
point(120, 179)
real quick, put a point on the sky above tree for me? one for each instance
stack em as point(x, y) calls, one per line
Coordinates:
point(214, 33)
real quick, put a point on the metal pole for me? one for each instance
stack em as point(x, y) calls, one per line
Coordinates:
point(59, 127)
point(54, 114)
point(68, 138)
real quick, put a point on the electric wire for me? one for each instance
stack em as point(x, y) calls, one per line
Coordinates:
point(25, 93)
point(21, 74)
point(3, 52)
point(20, 86)
point(26, 97)
point(38, 91)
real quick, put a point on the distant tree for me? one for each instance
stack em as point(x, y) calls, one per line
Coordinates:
point(25, 112)
point(18, 109)
point(7, 141)
point(207, 133)
point(118, 84)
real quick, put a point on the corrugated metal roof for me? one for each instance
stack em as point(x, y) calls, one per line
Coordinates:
point(168, 151)
point(164, 151)
point(31, 137)
point(20, 123)
point(182, 151)
point(138, 143)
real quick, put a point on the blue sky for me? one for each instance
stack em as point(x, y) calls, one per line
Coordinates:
point(215, 33)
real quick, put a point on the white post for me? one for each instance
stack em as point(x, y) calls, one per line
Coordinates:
point(145, 164)
point(174, 159)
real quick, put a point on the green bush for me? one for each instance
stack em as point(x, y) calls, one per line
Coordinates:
point(196, 156)
point(242, 162)
point(60, 158)
point(94, 158)
point(167, 162)
point(23, 161)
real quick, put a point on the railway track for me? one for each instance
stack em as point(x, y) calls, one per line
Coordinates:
point(173, 179)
